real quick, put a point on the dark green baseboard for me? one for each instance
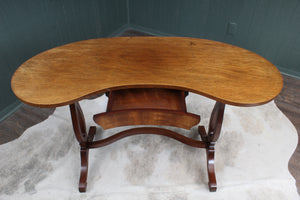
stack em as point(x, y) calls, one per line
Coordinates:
point(7, 111)
point(289, 72)
point(119, 31)
point(149, 30)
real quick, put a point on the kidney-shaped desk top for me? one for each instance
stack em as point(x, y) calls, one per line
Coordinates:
point(69, 73)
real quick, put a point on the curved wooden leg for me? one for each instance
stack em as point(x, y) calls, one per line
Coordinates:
point(210, 158)
point(210, 154)
point(210, 139)
point(83, 139)
point(84, 155)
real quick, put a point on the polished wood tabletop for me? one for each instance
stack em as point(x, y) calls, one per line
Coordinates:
point(223, 72)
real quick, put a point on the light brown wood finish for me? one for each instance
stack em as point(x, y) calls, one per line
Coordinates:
point(146, 106)
point(146, 117)
point(223, 72)
point(146, 99)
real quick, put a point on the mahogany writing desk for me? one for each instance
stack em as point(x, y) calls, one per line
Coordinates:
point(146, 80)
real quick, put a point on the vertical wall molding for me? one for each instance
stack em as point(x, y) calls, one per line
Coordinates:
point(128, 12)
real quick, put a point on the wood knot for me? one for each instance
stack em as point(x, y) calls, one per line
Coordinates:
point(192, 43)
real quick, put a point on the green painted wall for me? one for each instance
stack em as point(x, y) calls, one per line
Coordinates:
point(270, 28)
point(28, 27)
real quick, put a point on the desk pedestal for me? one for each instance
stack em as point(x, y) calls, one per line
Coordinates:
point(147, 107)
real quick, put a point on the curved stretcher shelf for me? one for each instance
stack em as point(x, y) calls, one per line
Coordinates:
point(69, 73)
point(179, 119)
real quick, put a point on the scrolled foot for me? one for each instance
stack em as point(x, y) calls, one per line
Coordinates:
point(212, 184)
point(212, 187)
point(84, 154)
point(82, 187)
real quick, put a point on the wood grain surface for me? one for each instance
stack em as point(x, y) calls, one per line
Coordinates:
point(146, 106)
point(146, 99)
point(146, 117)
point(69, 73)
